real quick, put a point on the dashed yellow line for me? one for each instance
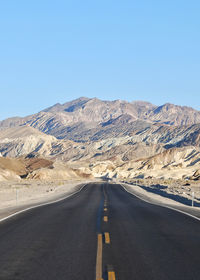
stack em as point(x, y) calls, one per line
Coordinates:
point(105, 209)
point(111, 275)
point(99, 258)
point(107, 237)
point(105, 218)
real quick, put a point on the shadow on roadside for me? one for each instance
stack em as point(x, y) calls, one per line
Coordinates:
point(158, 189)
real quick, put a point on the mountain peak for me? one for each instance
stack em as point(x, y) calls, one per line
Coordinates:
point(60, 119)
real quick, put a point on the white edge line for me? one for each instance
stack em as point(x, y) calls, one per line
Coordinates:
point(161, 205)
point(39, 205)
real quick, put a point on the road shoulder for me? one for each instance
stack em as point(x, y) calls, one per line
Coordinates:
point(155, 199)
point(69, 190)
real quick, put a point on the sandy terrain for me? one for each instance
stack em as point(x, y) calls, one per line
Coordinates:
point(165, 199)
point(174, 190)
point(15, 196)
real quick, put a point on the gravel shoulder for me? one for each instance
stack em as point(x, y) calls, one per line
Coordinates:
point(15, 197)
point(160, 200)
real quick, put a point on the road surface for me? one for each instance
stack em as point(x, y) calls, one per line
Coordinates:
point(102, 232)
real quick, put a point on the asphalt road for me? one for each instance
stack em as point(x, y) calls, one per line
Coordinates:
point(105, 232)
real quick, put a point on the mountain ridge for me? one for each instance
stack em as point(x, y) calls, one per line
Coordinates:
point(108, 138)
point(93, 111)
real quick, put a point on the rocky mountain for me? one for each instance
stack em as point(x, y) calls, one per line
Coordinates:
point(22, 140)
point(71, 119)
point(106, 138)
point(176, 163)
point(174, 115)
point(16, 168)
point(97, 110)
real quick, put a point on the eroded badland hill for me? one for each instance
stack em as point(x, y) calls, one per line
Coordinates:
point(109, 139)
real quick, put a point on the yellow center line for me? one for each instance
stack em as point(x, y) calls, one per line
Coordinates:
point(107, 237)
point(111, 275)
point(99, 258)
point(105, 218)
point(105, 209)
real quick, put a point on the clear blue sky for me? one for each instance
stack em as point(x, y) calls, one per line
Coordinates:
point(55, 51)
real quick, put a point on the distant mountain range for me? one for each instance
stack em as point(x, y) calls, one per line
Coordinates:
point(85, 113)
point(88, 132)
